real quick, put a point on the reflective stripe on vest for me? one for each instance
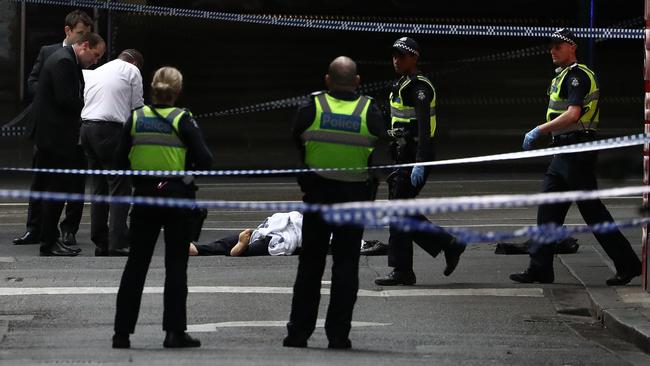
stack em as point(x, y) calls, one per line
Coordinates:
point(156, 144)
point(339, 137)
point(401, 113)
point(590, 114)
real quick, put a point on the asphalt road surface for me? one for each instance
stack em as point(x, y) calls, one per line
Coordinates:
point(61, 310)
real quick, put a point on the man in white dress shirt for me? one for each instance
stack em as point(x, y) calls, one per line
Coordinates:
point(112, 91)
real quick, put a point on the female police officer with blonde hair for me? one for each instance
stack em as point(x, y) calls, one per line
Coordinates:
point(160, 137)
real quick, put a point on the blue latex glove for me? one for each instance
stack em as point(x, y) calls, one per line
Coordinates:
point(531, 136)
point(417, 175)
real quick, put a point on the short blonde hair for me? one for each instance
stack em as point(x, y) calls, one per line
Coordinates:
point(166, 85)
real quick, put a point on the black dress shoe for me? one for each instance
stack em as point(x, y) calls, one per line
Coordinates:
point(396, 277)
point(294, 342)
point(121, 340)
point(622, 279)
point(373, 247)
point(57, 249)
point(529, 276)
point(119, 252)
point(452, 256)
point(29, 237)
point(340, 343)
point(180, 340)
point(68, 238)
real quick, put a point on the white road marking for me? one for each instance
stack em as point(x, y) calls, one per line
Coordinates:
point(320, 323)
point(7, 259)
point(499, 292)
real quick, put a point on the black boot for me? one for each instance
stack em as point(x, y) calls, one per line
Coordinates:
point(180, 340)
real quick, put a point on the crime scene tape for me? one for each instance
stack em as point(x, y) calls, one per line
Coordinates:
point(610, 143)
point(379, 214)
point(344, 25)
point(542, 234)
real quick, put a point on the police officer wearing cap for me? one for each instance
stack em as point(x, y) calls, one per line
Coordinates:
point(335, 129)
point(413, 126)
point(572, 117)
point(160, 137)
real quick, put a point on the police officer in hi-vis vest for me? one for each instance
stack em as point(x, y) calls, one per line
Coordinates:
point(572, 117)
point(160, 137)
point(335, 129)
point(413, 125)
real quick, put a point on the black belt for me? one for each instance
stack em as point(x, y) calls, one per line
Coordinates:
point(106, 123)
point(574, 137)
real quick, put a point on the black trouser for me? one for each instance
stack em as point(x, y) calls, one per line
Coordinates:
point(146, 222)
point(400, 243)
point(64, 183)
point(99, 140)
point(345, 256)
point(41, 183)
point(569, 172)
point(223, 246)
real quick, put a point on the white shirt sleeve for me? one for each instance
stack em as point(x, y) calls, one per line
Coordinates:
point(137, 100)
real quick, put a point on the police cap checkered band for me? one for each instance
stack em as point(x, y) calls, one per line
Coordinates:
point(406, 44)
point(563, 35)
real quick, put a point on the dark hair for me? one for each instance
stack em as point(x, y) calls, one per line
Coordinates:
point(133, 56)
point(92, 38)
point(78, 16)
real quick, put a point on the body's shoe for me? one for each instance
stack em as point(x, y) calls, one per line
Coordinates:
point(529, 276)
point(29, 237)
point(623, 279)
point(340, 343)
point(396, 277)
point(452, 256)
point(180, 340)
point(289, 341)
point(373, 247)
point(121, 340)
point(57, 249)
point(119, 252)
point(68, 238)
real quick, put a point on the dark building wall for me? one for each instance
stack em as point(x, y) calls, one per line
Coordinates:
point(491, 90)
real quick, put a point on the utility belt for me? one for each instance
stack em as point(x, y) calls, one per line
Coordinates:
point(574, 137)
point(403, 134)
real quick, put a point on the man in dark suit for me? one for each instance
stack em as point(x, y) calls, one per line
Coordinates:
point(77, 23)
point(56, 112)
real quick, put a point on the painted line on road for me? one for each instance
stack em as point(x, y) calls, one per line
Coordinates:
point(320, 323)
point(498, 292)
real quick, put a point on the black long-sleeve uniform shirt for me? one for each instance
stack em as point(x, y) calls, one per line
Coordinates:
point(306, 113)
point(418, 94)
point(198, 155)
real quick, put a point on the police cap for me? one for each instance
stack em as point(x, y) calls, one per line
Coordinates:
point(406, 45)
point(563, 35)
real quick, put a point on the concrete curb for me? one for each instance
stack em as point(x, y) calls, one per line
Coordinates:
point(623, 319)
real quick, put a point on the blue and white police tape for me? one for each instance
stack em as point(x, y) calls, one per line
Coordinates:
point(610, 143)
point(345, 25)
point(542, 234)
point(361, 212)
point(394, 212)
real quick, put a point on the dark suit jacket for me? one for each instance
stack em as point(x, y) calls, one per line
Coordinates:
point(32, 82)
point(58, 103)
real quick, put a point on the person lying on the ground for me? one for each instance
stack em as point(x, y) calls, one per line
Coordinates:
point(278, 235)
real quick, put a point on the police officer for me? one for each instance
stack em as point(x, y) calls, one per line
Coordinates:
point(159, 137)
point(572, 117)
point(413, 122)
point(335, 129)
